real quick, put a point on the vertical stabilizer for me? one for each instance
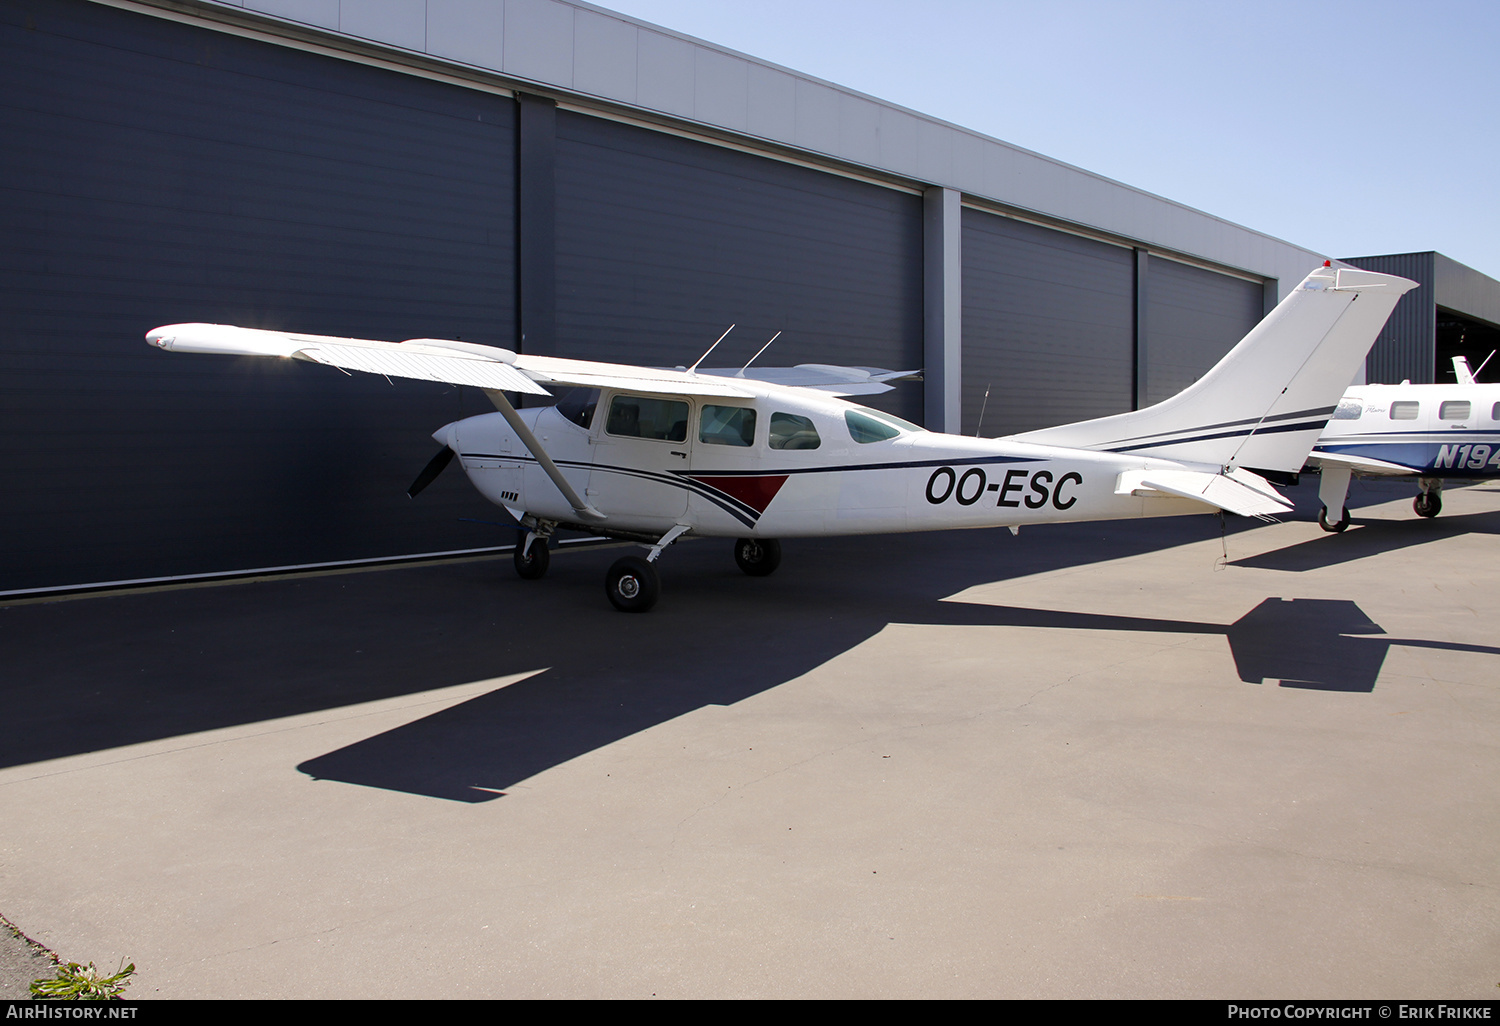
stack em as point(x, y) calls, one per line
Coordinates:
point(1264, 404)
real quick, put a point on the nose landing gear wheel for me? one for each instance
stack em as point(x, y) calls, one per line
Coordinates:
point(1428, 504)
point(758, 557)
point(533, 565)
point(632, 585)
point(1337, 528)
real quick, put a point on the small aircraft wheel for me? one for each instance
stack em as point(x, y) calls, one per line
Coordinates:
point(1337, 528)
point(632, 585)
point(533, 565)
point(1428, 504)
point(758, 557)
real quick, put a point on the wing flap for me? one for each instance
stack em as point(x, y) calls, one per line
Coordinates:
point(587, 374)
point(824, 377)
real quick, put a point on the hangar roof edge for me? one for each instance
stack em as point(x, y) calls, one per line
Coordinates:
point(590, 52)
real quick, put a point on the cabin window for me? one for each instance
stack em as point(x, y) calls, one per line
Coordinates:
point(637, 416)
point(1495, 412)
point(727, 425)
point(1454, 409)
point(1349, 409)
point(1406, 409)
point(578, 405)
point(789, 431)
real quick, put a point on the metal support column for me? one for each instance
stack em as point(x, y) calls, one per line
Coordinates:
point(536, 225)
point(942, 260)
point(1141, 349)
point(1270, 293)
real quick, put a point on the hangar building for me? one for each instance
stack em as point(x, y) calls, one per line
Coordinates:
point(1455, 311)
point(543, 175)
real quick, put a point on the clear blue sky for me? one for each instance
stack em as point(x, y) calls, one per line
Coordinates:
point(1346, 127)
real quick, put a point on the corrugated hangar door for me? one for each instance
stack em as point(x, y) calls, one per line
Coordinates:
point(664, 242)
point(154, 172)
point(1048, 326)
point(1193, 317)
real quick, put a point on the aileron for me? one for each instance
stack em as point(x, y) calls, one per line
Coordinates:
point(454, 370)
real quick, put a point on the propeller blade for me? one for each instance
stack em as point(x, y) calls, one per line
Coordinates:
point(431, 471)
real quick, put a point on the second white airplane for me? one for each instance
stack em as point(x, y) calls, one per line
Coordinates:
point(652, 456)
point(1429, 432)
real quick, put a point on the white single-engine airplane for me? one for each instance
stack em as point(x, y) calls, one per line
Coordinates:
point(1424, 431)
point(651, 455)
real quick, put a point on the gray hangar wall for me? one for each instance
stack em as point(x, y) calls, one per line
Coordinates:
point(1060, 327)
point(170, 173)
point(1454, 311)
point(157, 171)
point(664, 242)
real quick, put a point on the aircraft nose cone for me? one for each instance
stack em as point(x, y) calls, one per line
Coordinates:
point(159, 337)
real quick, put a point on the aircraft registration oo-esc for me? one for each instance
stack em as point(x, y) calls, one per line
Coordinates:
point(651, 455)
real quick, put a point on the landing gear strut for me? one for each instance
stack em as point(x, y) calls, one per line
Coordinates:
point(1333, 490)
point(1429, 501)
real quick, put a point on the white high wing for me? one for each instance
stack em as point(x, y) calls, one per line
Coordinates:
point(1429, 432)
point(652, 455)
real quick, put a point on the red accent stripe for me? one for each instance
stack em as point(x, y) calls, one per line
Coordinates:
point(755, 492)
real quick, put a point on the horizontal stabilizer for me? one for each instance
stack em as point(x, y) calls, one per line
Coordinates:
point(1359, 464)
point(1239, 492)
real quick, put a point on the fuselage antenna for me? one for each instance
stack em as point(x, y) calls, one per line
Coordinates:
point(762, 349)
point(980, 426)
point(700, 359)
point(1487, 359)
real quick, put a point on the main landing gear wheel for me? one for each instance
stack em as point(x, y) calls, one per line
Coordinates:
point(758, 557)
point(533, 565)
point(632, 585)
point(1337, 528)
point(1428, 504)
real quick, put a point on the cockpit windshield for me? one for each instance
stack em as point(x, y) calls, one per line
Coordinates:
point(874, 426)
point(578, 405)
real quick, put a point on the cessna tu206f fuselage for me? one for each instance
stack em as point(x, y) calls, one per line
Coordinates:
point(653, 455)
point(778, 463)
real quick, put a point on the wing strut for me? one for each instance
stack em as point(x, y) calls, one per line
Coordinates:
point(582, 508)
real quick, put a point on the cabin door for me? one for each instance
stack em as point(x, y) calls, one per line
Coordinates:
point(641, 456)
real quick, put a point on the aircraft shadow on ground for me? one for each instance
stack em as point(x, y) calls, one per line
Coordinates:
point(475, 750)
point(1370, 538)
point(94, 674)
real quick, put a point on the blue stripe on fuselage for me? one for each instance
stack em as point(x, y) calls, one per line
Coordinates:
point(1451, 458)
